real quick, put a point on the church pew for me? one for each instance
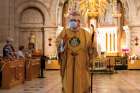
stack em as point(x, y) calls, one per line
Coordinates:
point(32, 69)
point(17, 71)
point(1, 68)
point(13, 73)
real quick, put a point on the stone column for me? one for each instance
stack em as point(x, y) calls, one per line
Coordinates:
point(50, 33)
point(59, 15)
point(135, 49)
point(116, 41)
point(112, 43)
point(115, 11)
point(108, 42)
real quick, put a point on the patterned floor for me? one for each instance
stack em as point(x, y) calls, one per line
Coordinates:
point(122, 82)
point(50, 84)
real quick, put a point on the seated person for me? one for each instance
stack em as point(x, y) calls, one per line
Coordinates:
point(0, 77)
point(31, 47)
point(8, 50)
point(20, 53)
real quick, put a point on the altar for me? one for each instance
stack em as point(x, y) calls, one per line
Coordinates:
point(52, 65)
point(134, 64)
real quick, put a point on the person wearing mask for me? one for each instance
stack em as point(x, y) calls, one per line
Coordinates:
point(8, 49)
point(73, 45)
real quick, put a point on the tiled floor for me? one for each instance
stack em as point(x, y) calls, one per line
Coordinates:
point(122, 82)
point(50, 84)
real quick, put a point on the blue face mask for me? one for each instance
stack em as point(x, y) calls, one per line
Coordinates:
point(72, 24)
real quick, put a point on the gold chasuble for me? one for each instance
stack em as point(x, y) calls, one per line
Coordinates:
point(75, 61)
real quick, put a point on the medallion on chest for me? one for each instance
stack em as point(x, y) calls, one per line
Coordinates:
point(74, 41)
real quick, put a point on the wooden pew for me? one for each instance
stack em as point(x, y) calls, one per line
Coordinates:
point(32, 69)
point(13, 73)
point(1, 68)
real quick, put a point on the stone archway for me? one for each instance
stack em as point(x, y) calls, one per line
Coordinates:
point(36, 4)
point(30, 31)
point(22, 23)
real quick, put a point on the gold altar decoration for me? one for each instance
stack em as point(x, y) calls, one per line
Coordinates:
point(93, 8)
point(116, 15)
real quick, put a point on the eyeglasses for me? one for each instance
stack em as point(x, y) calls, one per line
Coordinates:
point(75, 20)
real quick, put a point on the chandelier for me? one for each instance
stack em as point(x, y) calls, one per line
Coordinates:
point(90, 8)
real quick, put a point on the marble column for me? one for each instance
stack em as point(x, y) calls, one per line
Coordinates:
point(135, 49)
point(50, 33)
point(108, 42)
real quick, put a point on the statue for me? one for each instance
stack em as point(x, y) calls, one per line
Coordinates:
point(32, 41)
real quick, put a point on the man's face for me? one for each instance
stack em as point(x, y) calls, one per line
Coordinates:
point(9, 42)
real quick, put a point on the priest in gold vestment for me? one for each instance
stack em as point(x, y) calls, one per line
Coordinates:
point(73, 46)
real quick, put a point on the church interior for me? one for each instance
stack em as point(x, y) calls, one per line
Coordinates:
point(30, 28)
